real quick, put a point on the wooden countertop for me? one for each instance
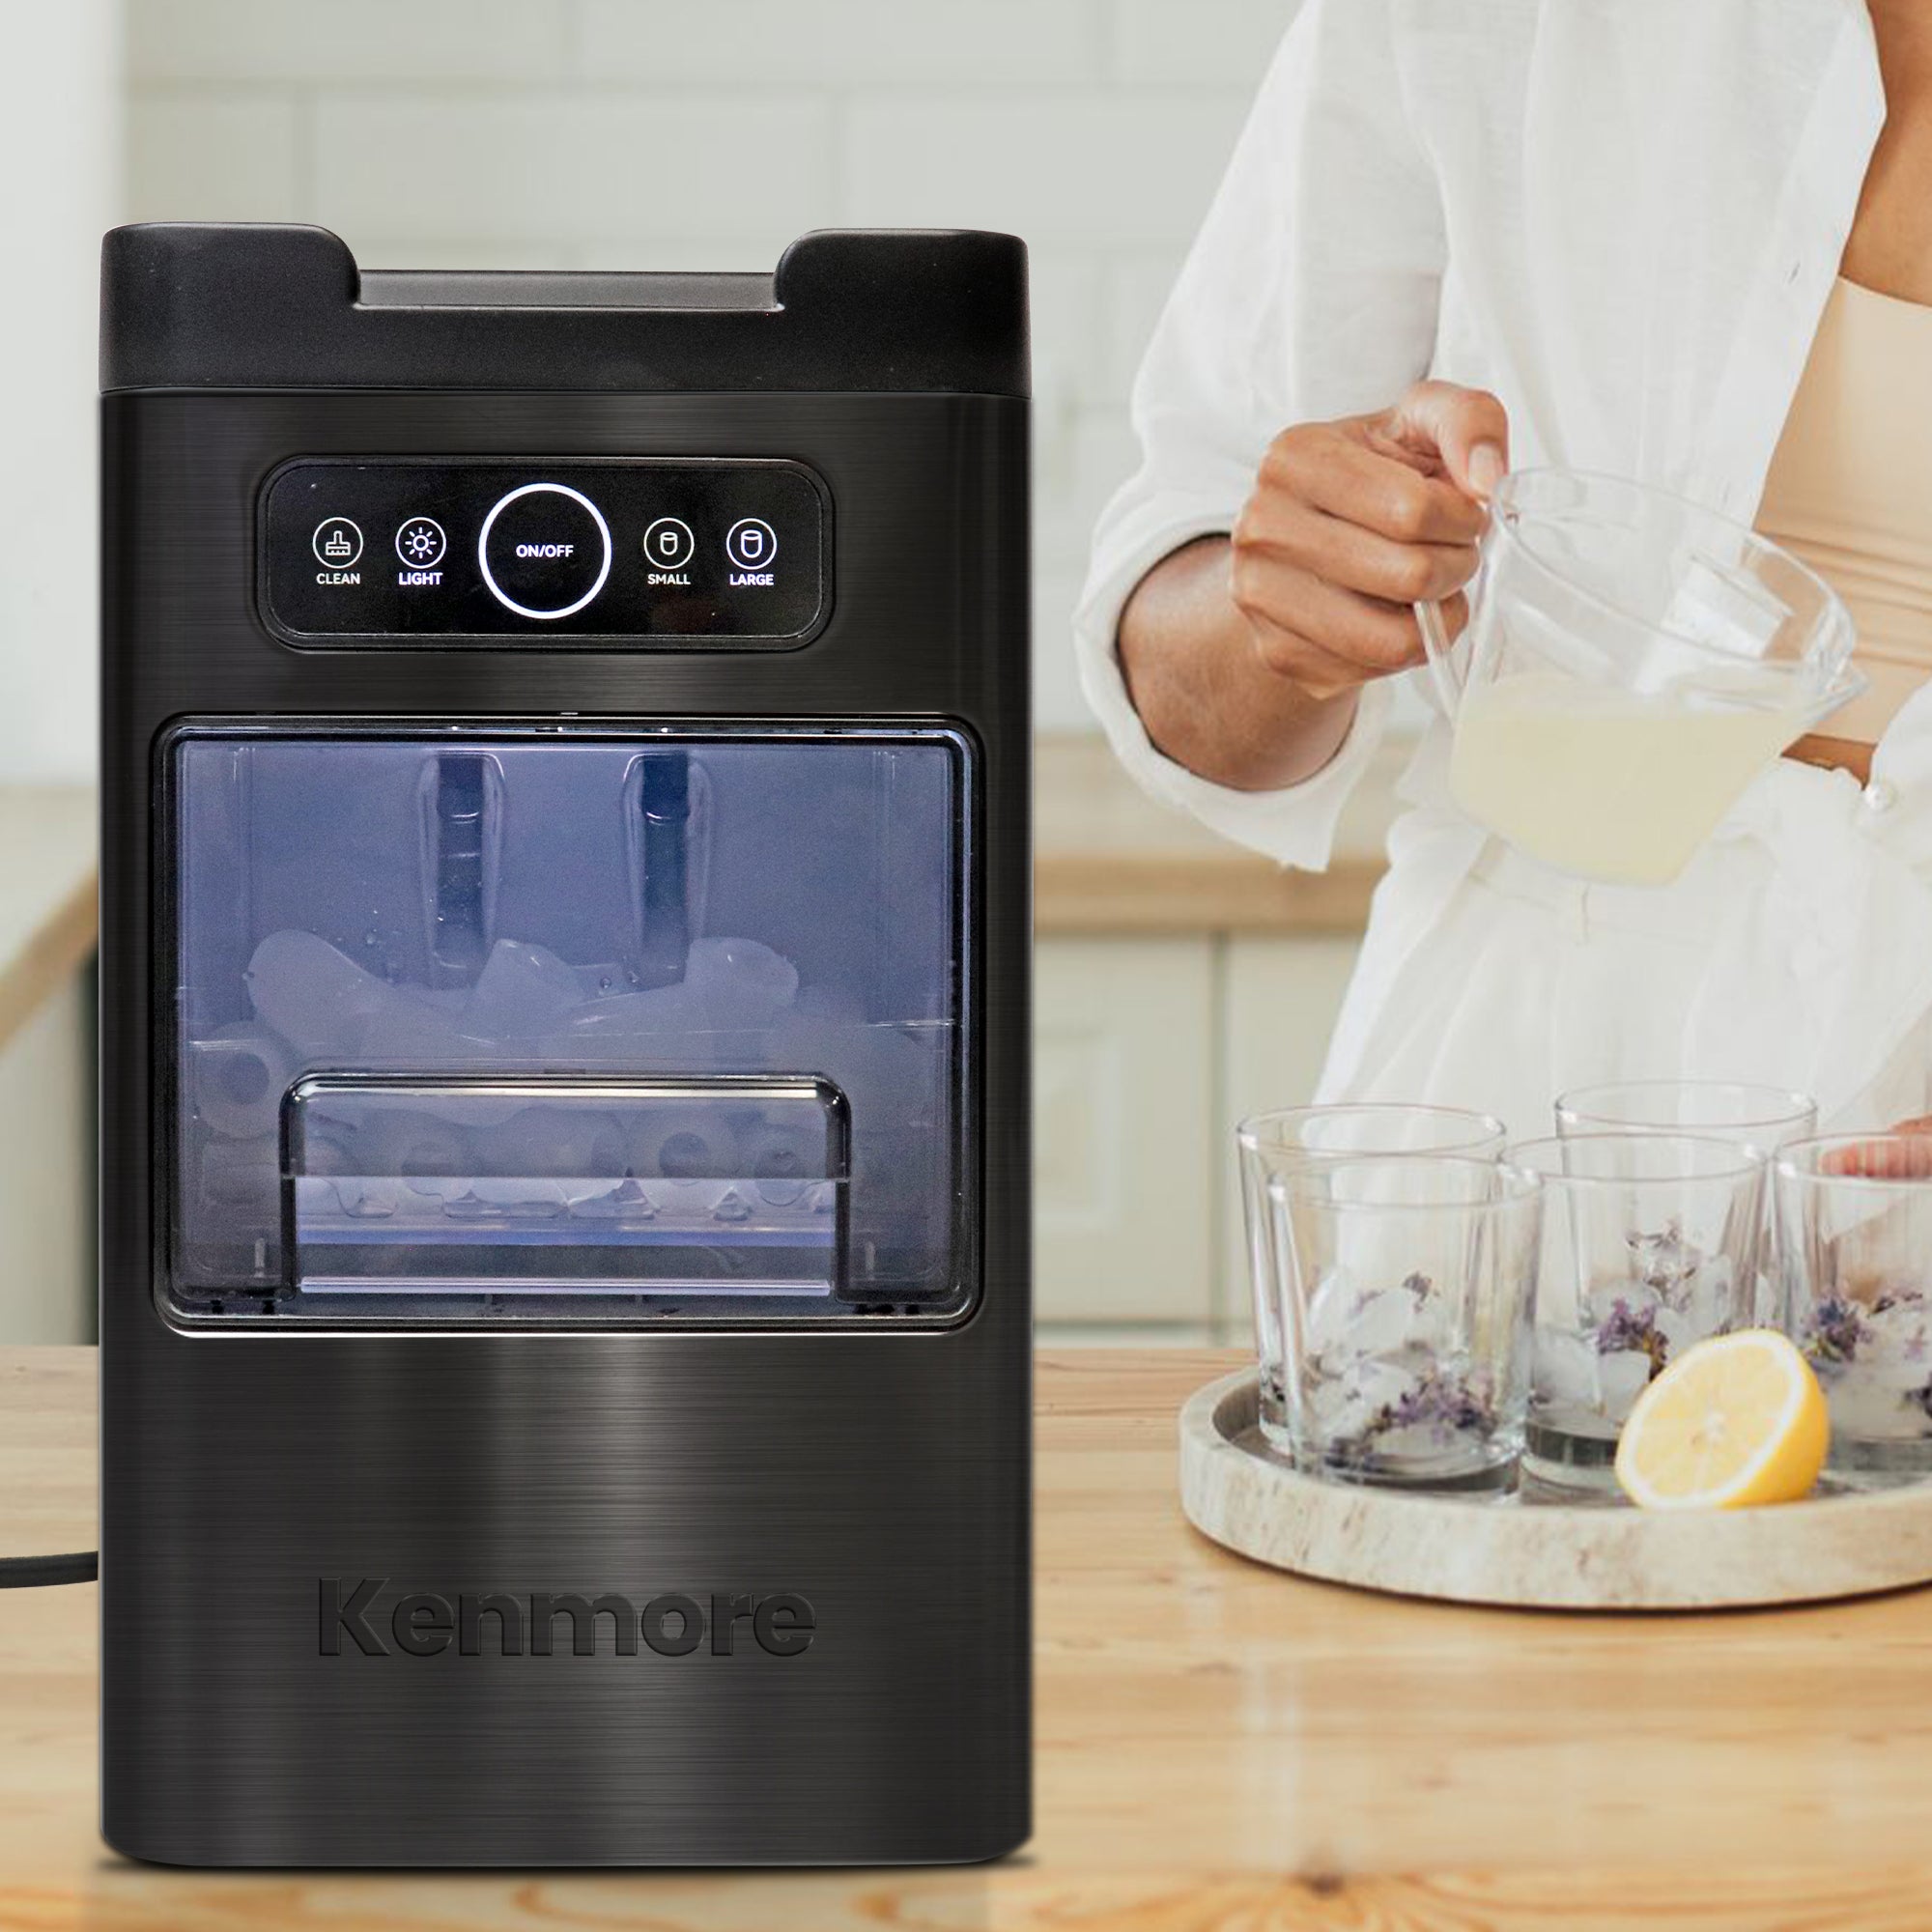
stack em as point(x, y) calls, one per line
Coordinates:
point(1107, 859)
point(47, 890)
point(1220, 1748)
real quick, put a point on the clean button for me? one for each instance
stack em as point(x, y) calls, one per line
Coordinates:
point(545, 551)
point(336, 542)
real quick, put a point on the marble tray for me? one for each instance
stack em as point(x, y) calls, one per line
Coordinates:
point(1542, 1555)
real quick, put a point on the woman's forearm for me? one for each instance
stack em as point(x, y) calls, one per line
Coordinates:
point(1245, 655)
point(1207, 698)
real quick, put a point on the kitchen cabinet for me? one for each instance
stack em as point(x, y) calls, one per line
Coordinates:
point(1124, 1099)
point(1146, 1053)
point(1179, 984)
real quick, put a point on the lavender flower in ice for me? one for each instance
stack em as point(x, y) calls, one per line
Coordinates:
point(1835, 1330)
point(1634, 1329)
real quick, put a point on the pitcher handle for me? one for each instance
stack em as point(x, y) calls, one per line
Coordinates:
point(1440, 651)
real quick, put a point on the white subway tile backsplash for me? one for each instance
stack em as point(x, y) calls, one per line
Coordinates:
point(557, 169)
point(850, 44)
point(423, 40)
point(1088, 169)
point(438, 251)
point(708, 134)
point(197, 156)
point(1136, 291)
point(1056, 703)
point(753, 251)
point(1097, 455)
point(1215, 43)
point(1064, 289)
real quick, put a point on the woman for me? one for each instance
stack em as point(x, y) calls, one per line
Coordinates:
point(1459, 237)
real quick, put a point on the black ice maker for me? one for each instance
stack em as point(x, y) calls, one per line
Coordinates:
point(565, 1305)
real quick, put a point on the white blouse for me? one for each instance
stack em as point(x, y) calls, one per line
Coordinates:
point(1625, 217)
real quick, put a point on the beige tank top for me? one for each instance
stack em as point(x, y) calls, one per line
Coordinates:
point(1849, 491)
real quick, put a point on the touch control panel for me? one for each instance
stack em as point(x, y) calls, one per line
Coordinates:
point(665, 552)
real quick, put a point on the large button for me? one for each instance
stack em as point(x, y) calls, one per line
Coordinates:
point(545, 551)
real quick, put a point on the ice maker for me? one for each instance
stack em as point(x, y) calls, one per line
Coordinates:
point(564, 1001)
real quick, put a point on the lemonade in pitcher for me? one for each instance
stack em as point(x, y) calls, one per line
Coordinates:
point(1632, 662)
point(1604, 783)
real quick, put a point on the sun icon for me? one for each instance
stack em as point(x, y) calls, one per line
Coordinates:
point(420, 542)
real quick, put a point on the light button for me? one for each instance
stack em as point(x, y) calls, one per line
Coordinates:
point(420, 543)
point(545, 551)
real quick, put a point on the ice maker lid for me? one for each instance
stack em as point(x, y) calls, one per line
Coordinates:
point(248, 305)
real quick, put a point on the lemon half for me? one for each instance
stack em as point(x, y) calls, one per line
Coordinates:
point(1737, 1420)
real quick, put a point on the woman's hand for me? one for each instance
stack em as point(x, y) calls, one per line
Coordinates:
point(1908, 1159)
point(1351, 523)
point(1244, 655)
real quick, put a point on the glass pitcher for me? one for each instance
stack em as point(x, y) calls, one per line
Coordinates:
point(1630, 662)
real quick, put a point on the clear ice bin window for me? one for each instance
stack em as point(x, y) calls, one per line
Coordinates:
point(563, 1025)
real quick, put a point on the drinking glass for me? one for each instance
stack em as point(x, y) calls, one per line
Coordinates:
point(1650, 1242)
point(1855, 1215)
point(1405, 1285)
point(1290, 1138)
point(1766, 1117)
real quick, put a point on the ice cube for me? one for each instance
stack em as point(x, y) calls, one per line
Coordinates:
point(728, 984)
point(740, 982)
point(1863, 1403)
point(237, 1076)
point(1331, 1311)
point(316, 997)
point(1382, 1321)
point(1343, 1405)
point(683, 1144)
point(1621, 1378)
point(1898, 1346)
point(523, 990)
point(1566, 1368)
point(1708, 1296)
point(408, 1030)
point(1679, 1330)
point(366, 1199)
point(556, 1140)
point(402, 1142)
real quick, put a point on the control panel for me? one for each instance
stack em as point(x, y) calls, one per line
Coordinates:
point(654, 551)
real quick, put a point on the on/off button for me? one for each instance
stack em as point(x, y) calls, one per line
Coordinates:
point(545, 551)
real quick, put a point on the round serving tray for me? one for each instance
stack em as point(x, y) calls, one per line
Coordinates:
point(1507, 1550)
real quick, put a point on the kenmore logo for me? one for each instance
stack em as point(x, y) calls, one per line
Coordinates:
point(422, 1623)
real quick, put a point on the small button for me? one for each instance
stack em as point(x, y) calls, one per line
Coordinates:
point(545, 551)
point(1880, 795)
point(420, 543)
point(668, 545)
point(751, 544)
point(337, 543)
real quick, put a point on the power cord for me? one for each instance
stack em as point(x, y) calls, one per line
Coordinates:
point(26, 1573)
